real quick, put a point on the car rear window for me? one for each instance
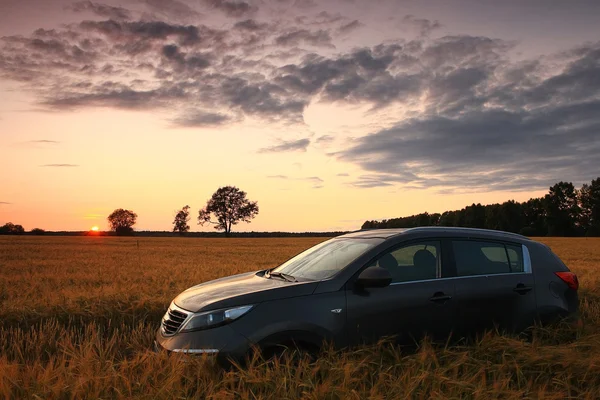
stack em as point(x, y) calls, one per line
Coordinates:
point(486, 258)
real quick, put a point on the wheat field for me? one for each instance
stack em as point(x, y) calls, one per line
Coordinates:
point(78, 317)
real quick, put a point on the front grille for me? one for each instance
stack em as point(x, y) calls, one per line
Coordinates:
point(172, 321)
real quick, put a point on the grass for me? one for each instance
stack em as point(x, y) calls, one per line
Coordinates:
point(78, 316)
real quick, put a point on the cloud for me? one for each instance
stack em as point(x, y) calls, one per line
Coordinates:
point(117, 97)
point(349, 27)
point(313, 179)
point(316, 182)
point(320, 38)
point(325, 139)
point(143, 30)
point(171, 9)
point(102, 10)
point(5, 202)
point(60, 165)
point(285, 146)
point(343, 174)
point(44, 141)
point(423, 26)
point(484, 149)
point(232, 8)
point(472, 116)
point(200, 119)
point(250, 25)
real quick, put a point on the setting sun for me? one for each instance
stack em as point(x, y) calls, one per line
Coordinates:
point(94, 228)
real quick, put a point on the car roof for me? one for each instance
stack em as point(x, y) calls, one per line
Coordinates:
point(389, 233)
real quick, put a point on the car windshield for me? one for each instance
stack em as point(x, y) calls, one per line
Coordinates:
point(326, 259)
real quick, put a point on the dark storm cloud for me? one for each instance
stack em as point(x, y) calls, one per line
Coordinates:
point(102, 10)
point(285, 146)
point(60, 165)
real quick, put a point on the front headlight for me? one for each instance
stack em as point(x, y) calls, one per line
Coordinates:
point(212, 319)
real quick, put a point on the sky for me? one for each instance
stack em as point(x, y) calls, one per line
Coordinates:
point(327, 113)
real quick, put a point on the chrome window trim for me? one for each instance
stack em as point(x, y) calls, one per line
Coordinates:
point(526, 260)
point(462, 277)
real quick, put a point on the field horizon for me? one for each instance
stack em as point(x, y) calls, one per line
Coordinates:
point(78, 316)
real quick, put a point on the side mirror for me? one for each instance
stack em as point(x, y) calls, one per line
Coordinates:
point(374, 277)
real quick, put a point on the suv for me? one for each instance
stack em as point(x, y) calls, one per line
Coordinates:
point(362, 286)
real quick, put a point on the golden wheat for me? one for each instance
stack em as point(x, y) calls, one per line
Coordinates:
point(78, 316)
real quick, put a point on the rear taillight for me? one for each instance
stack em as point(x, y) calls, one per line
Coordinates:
point(569, 278)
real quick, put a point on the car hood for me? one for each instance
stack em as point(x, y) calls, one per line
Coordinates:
point(243, 289)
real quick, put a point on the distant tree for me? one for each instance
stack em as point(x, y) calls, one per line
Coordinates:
point(475, 216)
point(511, 216)
point(369, 225)
point(230, 206)
point(121, 221)
point(448, 218)
point(534, 218)
point(562, 209)
point(589, 198)
point(11, 229)
point(180, 223)
point(37, 231)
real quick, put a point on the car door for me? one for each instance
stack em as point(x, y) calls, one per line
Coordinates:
point(494, 286)
point(416, 301)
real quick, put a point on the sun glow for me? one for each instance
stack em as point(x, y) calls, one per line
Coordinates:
point(94, 228)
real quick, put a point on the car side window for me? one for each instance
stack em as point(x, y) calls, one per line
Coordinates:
point(486, 258)
point(413, 262)
point(515, 257)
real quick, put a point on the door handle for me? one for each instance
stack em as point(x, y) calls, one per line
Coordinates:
point(522, 289)
point(440, 297)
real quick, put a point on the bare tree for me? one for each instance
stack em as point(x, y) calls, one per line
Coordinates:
point(229, 206)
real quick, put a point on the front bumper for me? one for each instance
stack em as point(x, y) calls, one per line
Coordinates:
point(223, 342)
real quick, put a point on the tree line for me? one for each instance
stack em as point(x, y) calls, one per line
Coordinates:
point(227, 207)
point(564, 211)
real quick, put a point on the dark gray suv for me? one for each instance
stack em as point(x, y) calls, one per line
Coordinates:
point(365, 285)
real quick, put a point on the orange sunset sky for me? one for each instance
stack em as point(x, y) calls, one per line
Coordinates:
point(327, 113)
